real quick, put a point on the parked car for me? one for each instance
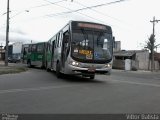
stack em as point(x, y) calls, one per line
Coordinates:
point(13, 59)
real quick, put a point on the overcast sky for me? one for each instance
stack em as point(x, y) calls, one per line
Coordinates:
point(39, 20)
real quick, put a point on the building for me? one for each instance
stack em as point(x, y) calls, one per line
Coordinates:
point(117, 46)
point(131, 60)
point(2, 53)
point(14, 50)
point(156, 61)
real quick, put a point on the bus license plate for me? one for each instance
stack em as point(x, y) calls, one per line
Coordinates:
point(91, 69)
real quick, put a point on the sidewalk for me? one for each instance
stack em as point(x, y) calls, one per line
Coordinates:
point(12, 68)
point(138, 71)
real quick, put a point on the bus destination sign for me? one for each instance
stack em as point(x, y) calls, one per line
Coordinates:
point(96, 26)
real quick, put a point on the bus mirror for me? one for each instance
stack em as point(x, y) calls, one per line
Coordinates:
point(114, 42)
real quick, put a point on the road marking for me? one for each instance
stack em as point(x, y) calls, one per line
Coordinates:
point(35, 89)
point(138, 83)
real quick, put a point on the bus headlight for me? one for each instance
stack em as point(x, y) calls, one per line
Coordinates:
point(74, 63)
point(109, 65)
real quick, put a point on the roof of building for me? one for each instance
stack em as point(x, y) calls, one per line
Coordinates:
point(128, 52)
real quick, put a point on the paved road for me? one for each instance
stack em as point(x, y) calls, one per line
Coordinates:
point(38, 91)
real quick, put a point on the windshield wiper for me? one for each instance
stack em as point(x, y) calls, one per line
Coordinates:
point(98, 38)
point(85, 35)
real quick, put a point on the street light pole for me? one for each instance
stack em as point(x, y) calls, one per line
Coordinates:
point(7, 35)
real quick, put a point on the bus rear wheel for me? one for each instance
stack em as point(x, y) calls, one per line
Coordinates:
point(29, 64)
point(58, 73)
point(48, 70)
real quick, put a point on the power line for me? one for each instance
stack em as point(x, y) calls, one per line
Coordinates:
point(90, 7)
point(70, 10)
point(77, 11)
point(99, 12)
point(14, 16)
point(43, 5)
point(18, 13)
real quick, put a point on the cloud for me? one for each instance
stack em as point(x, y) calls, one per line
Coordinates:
point(15, 37)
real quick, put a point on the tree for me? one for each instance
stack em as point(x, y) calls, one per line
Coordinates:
point(150, 44)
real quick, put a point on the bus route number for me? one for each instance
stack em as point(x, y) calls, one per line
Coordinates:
point(85, 52)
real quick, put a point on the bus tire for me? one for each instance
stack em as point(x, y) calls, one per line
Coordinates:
point(92, 77)
point(48, 70)
point(58, 73)
point(29, 64)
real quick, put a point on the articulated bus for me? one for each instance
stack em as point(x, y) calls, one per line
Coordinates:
point(81, 48)
point(34, 54)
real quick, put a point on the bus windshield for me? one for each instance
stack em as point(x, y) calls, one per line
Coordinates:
point(91, 45)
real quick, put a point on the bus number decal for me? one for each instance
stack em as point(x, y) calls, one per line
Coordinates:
point(85, 52)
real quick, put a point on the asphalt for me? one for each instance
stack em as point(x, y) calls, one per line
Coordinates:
point(40, 92)
point(17, 65)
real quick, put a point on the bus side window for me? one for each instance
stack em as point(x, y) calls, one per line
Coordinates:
point(60, 39)
point(39, 48)
point(66, 42)
point(25, 50)
point(58, 36)
point(66, 37)
point(55, 42)
point(29, 48)
point(33, 48)
point(49, 46)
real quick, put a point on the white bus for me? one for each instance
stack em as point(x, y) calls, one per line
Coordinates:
point(81, 48)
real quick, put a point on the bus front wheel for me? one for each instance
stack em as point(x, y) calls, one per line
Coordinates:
point(92, 76)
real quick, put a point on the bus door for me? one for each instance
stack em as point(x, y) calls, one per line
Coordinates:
point(65, 48)
point(44, 54)
point(33, 52)
point(24, 53)
point(52, 54)
point(40, 52)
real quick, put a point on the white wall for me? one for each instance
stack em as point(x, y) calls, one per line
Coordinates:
point(142, 59)
point(17, 47)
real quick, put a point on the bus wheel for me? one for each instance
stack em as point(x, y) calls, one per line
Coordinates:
point(29, 64)
point(92, 76)
point(48, 70)
point(58, 74)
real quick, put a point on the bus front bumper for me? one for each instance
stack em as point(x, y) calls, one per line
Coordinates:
point(87, 71)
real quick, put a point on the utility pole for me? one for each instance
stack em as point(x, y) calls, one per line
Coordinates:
point(1, 51)
point(7, 35)
point(152, 44)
